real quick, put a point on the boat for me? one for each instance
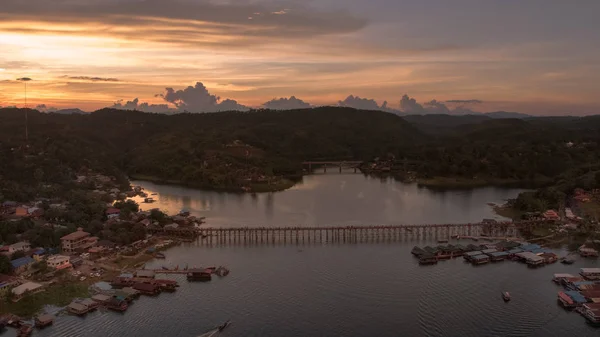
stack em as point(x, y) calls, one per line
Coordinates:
point(159, 256)
point(506, 296)
point(42, 321)
point(24, 330)
point(442, 241)
point(198, 275)
point(224, 325)
point(222, 271)
point(567, 261)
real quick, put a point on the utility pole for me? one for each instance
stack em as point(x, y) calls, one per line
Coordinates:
point(26, 117)
point(25, 80)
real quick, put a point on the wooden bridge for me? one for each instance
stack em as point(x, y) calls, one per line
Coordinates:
point(352, 164)
point(267, 235)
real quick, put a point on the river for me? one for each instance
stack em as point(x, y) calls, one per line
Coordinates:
point(367, 289)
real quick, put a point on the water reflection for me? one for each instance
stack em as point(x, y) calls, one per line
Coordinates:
point(328, 199)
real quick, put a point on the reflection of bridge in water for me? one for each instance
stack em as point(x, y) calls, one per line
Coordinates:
point(355, 234)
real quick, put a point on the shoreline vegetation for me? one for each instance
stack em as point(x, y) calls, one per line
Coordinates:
point(280, 184)
point(59, 295)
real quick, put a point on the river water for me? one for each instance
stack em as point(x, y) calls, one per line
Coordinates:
point(367, 289)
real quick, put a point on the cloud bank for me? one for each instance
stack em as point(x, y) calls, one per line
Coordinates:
point(145, 107)
point(91, 78)
point(182, 22)
point(364, 104)
point(286, 104)
point(198, 99)
point(190, 99)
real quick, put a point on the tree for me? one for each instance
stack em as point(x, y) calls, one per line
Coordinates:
point(157, 215)
point(5, 266)
point(17, 255)
point(41, 266)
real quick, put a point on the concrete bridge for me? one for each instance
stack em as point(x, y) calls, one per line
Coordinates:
point(320, 234)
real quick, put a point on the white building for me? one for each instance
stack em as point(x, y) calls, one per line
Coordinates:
point(22, 246)
point(26, 288)
point(59, 261)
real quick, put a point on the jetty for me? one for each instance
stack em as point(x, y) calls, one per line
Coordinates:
point(365, 233)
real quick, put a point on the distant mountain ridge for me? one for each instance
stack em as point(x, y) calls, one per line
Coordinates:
point(74, 111)
point(507, 114)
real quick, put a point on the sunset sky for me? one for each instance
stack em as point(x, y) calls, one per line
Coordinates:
point(531, 56)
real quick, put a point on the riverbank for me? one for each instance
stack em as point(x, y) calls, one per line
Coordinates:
point(507, 211)
point(64, 290)
point(281, 184)
point(60, 295)
point(467, 183)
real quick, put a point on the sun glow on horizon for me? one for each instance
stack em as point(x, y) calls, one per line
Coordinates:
point(92, 54)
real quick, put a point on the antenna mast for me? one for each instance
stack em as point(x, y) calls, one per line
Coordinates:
point(26, 116)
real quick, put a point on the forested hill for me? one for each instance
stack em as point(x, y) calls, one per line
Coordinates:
point(235, 149)
point(218, 150)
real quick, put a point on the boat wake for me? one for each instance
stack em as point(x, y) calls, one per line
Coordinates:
point(210, 333)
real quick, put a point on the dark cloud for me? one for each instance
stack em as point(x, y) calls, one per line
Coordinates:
point(465, 101)
point(24, 79)
point(435, 107)
point(200, 22)
point(286, 104)
point(44, 108)
point(92, 79)
point(411, 107)
point(363, 104)
point(190, 99)
point(198, 99)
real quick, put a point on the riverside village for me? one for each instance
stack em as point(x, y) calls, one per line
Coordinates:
point(54, 270)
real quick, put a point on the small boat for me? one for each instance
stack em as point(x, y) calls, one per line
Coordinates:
point(442, 241)
point(506, 296)
point(224, 325)
point(159, 255)
point(567, 261)
point(24, 330)
point(165, 268)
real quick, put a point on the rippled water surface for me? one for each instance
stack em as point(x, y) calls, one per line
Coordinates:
point(368, 289)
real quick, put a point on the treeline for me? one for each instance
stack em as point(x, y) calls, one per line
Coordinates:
point(227, 149)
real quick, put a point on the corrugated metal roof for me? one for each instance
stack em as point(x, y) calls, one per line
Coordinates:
point(576, 296)
point(498, 254)
point(516, 250)
point(77, 306)
point(488, 251)
point(480, 257)
point(530, 246)
point(529, 256)
point(21, 262)
point(590, 270)
point(473, 253)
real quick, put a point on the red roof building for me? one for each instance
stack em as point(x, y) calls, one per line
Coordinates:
point(551, 215)
point(75, 241)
